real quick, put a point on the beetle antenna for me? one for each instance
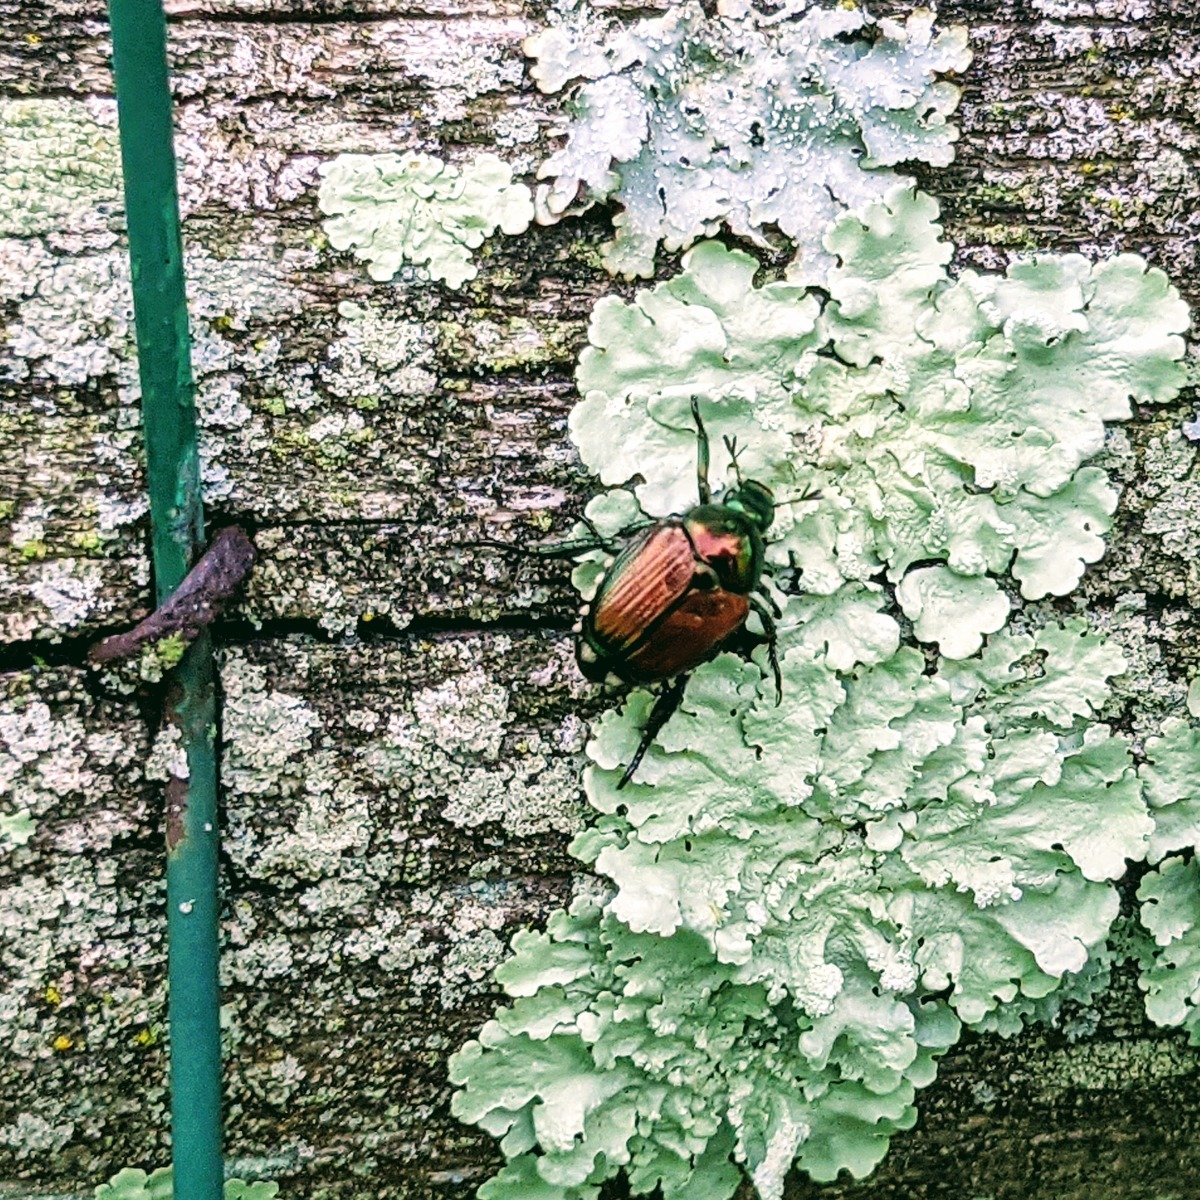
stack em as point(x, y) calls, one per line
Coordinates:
point(732, 446)
point(701, 454)
point(804, 495)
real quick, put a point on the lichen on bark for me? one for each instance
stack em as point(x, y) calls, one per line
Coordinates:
point(1077, 125)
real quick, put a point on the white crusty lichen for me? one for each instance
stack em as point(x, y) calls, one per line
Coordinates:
point(75, 911)
point(456, 67)
point(275, 755)
point(67, 589)
point(168, 755)
point(49, 756)
point(74, 313)
point(31, 1135)
point(1171, 482)
point(71, 324)
point(743, 119)
point(268, 733)
point(393, 209)
point(74, 317)
point(446, 745)
point(378, 354)
point(446, 943)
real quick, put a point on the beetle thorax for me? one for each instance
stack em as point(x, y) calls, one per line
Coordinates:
point(729, 542)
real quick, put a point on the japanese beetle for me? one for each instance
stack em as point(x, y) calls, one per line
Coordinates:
point(677, 591)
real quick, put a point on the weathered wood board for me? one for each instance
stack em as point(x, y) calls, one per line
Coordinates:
point(402, 724)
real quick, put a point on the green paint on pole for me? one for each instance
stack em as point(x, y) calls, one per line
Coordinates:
point(177, 524)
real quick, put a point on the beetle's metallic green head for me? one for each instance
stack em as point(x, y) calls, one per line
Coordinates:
point(754, 499)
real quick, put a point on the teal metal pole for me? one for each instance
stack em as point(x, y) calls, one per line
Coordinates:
point(177, 526)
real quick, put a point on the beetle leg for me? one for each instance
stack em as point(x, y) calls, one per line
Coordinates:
point(768, 625)
point(552, 550)
point(611, 544)
point(668, 701)
point(571, 546)
point(701, 454)
point(565, 549)
point(775, 609)
point(597, 541)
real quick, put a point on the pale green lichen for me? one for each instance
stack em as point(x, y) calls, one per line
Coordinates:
point(159, 657)
point(968, 780)
point(1170, 895)
point(393, 209)
point(1172, 777)
point(17, 828)
point(132, 1183)
point(938, 418)
point(809, 899)
point(955, 611)
point(643, 1053)
point(1170, 974)
point(750, 119)
point(62, 167)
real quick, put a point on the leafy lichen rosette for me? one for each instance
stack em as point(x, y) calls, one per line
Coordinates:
point(626, 1051)
point(960, 828)
point(806, 901)
point(941, 420)
point(743, 119)
point(393, 209)
point(807, 904)
point(1170, 894)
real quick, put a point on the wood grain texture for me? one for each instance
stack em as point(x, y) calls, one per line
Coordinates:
point(381, 845)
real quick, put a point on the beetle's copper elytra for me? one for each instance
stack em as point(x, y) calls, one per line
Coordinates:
point(676, 592)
